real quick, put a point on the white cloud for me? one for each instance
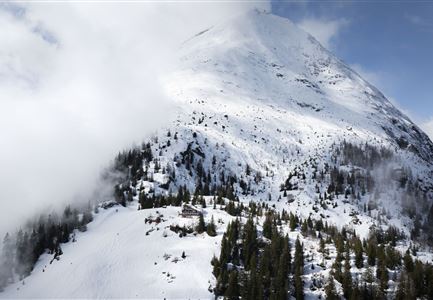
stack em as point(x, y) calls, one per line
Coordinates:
point(428, 128)
point(418, 20)
point(325, 31)
point(79, 82)
point(373, 77)
point(379, 80)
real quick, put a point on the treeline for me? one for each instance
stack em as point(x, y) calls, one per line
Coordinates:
point(356, 181)
point(365, 156)
point(183, 196)
point(21, 251)
point(205, 175)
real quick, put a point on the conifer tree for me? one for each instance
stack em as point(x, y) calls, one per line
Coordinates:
point(401, 288)
point(299, 270)
point(381, 271)
point(408, 262)
point(418, 277)
point(211, 228)
point(330, 290)
point(337, 266)
point(347, 276)
point(249, 241)
point(359, 259)
point(216, 266)
point(293, 222)
point(201, 226)
point(252, 287)
point(304, 228)
point(283, 272)
point(6, 265)
point(232, 291)
point(265, 270)
point(405, 288)
point(371, 251)
point(368, 280)
point(267, 226)
point(393, 258)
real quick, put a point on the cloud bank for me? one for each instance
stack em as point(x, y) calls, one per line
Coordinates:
point(78, 83)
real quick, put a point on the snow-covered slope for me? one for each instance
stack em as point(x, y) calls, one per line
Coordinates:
point(121, 256)
point(258, 100)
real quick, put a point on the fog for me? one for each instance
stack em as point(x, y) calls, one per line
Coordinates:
point(78, 83)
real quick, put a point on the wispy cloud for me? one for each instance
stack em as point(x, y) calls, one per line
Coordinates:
point(428, 128)
point(379, 79)
point(420, 22)
point(325, 31)
point(374, 77)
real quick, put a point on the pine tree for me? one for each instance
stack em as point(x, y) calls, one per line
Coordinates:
point(347, 276)
point(211, 228)
point(418, 277)
point(382, 271)
point(330, 290)
point(393, 258)
point(252, 286)
point(299, 287)
point(293, 222)
point(201, 226)
point(283, 272)
point(265, 270)
point(6, 265)
point(371, 251)
point(429, 282)
point(232, 291)
point(216, 266)
point(267, 226)
point(299, 270)
point(368, 279)
point(405, 288)
point(408, 262)
point(401, 288)
point(304, 228)
point(249, 241)
point(337, 266)
point(359, 259)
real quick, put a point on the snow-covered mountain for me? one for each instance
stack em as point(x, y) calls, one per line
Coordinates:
point(265, 114)
point(263, 60)
point(273, 98)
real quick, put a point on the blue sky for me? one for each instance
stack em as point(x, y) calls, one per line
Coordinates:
point(389, 42)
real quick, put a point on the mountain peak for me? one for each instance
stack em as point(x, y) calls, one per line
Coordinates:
point(262, 59)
